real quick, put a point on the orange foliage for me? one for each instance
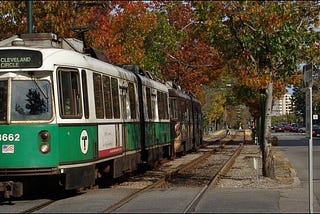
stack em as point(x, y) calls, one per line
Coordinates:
point(121, 34)
point(189, 68)
point(180, 16)
point(54, 16)
point(196, 62)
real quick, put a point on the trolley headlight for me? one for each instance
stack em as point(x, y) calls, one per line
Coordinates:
point(44, 136)
point(44, 148)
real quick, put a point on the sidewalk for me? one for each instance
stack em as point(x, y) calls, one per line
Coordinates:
point(241, 200)
point(240, 191)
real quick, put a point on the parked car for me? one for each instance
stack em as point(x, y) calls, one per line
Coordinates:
point(296, 127)
point(288, 128)
point(302, 129)
point(316, 130)
point(279, 128)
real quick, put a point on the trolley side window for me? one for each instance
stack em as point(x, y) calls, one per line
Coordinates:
point(148, 95)
point(132, 99)
point(70, 99)
point(85, 93)
point(107, 97)
point(166, 110)
point(115, 96)
point(153, 105)
point(182, 108)
point(188, 112)
point(98, 99)
point(160, 105)
point(3, 100)
point(173, 109)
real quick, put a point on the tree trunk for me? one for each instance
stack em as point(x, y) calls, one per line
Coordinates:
point(267, 157)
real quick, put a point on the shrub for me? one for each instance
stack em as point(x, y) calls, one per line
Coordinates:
point(274, 141)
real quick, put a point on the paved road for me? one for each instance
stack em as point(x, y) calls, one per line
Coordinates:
point(296, 147)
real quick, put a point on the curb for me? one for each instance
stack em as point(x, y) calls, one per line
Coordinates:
point(284, 172)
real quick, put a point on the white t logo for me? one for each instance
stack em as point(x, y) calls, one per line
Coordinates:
point(84, 142)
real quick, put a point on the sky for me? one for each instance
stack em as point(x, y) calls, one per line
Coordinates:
point(290, 89)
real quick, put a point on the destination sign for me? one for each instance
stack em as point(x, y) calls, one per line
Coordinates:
point(19, 58)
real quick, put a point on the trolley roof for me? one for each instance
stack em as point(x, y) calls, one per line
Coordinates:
point(64, 52)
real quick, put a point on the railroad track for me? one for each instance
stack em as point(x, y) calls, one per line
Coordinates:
point(205, 170)
point(214, 179)
point(39, 206)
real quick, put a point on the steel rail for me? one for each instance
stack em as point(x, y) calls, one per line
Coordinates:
point(160, 183)
point(192, 205)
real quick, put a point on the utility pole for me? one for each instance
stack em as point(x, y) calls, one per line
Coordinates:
point(308, 82)
point(30, 14)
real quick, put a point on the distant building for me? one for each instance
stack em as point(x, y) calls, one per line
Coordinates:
point(283, 106)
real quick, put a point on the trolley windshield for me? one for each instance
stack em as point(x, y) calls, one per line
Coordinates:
point(30, 100)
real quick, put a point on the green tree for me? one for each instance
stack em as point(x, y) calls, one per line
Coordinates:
point(215, 103)
point(299, 100)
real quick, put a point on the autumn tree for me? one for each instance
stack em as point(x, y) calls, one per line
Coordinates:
point(196, 62)
point(121, 33)
point(157, 37)
point(14, 17)
point(48, 16)
point(265, 39)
